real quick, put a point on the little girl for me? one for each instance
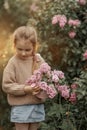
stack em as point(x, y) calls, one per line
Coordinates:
point(27, 110)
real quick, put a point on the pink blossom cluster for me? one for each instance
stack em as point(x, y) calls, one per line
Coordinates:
point(85, 55)
point(46, 79)
point(72, 34)
point(81, 2)
point(73, 95)
point(62, 21)
point(64, 90)
point(67, 92)
point(52, 83)
point(75, 22)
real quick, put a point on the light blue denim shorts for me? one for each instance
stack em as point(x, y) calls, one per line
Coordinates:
point(28, 113)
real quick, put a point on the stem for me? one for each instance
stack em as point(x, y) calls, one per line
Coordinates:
point(80, 124)
point(59, 99)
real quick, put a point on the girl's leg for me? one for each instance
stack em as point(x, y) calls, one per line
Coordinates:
point(34, 126)
point(22, 126)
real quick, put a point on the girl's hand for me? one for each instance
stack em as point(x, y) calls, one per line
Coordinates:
point(33, 90)
point(36, 90)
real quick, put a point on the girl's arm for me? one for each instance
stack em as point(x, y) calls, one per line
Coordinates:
point(10, 86)
point(9, 83)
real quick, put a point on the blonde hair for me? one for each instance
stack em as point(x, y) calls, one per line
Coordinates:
point(25, 33)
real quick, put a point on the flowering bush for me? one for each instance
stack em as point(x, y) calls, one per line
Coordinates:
point(70, 24)
point(53, 83)
point(49, 81)
point(44, 79)
point(69, 40)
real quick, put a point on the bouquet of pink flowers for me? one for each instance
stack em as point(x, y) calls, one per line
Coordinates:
point(49, 81)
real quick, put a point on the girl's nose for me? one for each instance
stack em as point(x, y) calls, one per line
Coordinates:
point(23, 53)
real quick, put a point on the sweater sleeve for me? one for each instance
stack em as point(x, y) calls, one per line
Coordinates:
point(9, 83)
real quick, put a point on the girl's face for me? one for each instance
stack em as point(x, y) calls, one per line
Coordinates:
point(24, 49)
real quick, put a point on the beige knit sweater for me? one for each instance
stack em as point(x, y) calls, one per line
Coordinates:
point(15, 74)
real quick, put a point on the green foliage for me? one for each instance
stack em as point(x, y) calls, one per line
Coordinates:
point(61, 52)
point(4, 112)
point(82, 100)
point(58, 116)
point(65, 53)
point(17, 10)
point(5, 108)
point(1, 3)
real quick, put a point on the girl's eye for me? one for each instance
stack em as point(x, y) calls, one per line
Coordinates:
point(19, 49)
point(23, 49)
point(28, 50)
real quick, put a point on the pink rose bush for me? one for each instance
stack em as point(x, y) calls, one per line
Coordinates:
point(63, 22)
point(52, 82)
point(69, 24)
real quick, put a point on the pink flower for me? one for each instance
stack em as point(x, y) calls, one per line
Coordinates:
point(55, 78)
point(51, 91)
point(31, 80)
point(85, 55)
point(38, 74)
point(74, 86)
point(60, 74)
point(65, 93)
point(47, 80)
point(61, 24)
point(44, 68)
point(75, 22)
point(54, 19)
point(62, 87)
point(72, 34)
point(58, 17)
point(43, 85)
point(81, 2)
point(62, 21)
point(72, 97)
